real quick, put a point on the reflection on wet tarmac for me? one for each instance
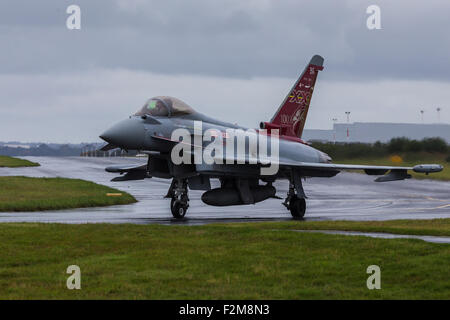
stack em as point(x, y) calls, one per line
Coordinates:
point(348, 196)
point(433, 239)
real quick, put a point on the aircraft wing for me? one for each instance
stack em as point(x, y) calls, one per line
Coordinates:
point(108, 147)
point(395, 172)
point(126, 168)
point(133, 172)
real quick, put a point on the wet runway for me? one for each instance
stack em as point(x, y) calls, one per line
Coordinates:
point(381, 235)
point(348, 196)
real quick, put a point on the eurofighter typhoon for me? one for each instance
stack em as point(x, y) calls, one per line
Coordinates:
point(191, 149)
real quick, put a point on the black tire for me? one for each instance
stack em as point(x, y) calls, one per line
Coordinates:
point(297, 206)
point(178, 208)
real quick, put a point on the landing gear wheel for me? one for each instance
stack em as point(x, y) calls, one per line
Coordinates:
point(297, 206)
point(178, 208)
point(180, 201)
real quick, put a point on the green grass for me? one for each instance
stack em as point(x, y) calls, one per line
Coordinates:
point(236, 261)
point(409, 159)
point(36, 194)
point(11, 162)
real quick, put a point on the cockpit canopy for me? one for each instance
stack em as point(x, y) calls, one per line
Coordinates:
point(164, 107)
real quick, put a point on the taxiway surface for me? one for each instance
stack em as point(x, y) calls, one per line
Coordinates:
point(348, 196)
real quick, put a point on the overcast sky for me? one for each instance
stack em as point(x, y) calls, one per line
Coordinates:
point(231, 59)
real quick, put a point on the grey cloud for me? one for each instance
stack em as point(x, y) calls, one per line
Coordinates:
point(228, 38)
point(78, 107)
point(222, 57)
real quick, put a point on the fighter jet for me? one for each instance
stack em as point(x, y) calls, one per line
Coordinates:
point(240, 172)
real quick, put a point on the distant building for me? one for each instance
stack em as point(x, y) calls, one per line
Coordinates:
point(17, 145)
point(370, 132)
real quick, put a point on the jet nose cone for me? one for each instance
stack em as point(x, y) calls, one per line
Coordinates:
point(127, 134)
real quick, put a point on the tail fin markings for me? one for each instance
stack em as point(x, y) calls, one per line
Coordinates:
point(291, 115)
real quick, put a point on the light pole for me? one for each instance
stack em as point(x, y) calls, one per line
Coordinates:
point(439, 114)
point(334, 129)
point(421, 114)
point(348, 123)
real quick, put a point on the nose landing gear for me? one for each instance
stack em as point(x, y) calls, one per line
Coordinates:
point(179, 198)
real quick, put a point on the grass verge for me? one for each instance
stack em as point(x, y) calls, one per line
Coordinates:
point(36, 194)
point(236, 261)
point(11, 162)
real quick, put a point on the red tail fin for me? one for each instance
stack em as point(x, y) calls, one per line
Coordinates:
point(291, 115)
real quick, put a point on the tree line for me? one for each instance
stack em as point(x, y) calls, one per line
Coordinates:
point(377, 149)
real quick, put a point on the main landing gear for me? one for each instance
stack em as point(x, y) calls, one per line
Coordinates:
point(178, 192)
point(295, 202)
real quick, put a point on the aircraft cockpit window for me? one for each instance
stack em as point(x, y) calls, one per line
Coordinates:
point(154, 107)
point(180, 108)
point(165, 107)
